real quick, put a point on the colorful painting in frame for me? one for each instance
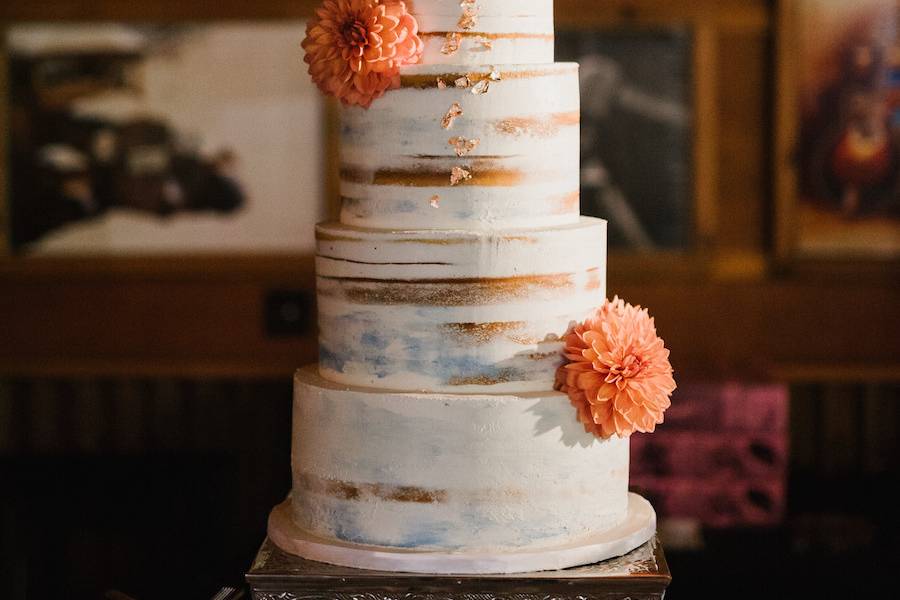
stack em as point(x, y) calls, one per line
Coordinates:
point(145, 138)
point(839, 151)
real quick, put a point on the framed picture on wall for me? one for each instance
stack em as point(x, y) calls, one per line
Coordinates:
point(636, 133)
point(838, 150)
point(130, 138)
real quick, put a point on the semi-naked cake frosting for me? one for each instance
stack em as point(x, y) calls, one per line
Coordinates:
point(458, 264)
point(522, 163)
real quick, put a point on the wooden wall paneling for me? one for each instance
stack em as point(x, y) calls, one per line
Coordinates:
point(742, 192)
point(706, 135)
point(213, 406)
point(6, 416)
point(127, 417)
point(167, 415)
point(19, 395)
point(88, 416)
point(252, 438)
point(803, 412)
point(147, 316)
point(727, 14)
point(790, 331)
point(785, 120)
point(840, 429)
point(46, 431)
point(881, 428)
point(5, 219)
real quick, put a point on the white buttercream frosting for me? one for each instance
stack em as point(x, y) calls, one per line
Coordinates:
point(462, 472)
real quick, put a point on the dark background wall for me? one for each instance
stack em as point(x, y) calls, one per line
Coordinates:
point(145, 402)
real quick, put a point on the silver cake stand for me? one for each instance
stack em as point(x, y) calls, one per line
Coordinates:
point(642, 574)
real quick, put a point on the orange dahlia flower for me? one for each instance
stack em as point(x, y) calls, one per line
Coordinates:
point(355, 48)
point(619, 377)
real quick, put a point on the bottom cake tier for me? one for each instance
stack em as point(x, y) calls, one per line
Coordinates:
point(450, 472)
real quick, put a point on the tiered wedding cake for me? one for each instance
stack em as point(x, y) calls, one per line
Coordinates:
point(429, 437)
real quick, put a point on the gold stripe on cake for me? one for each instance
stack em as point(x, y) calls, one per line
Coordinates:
point(442, 292)
point(323, 236)
point(431, 81)
point(568, 203)
point(490, 177)
point(482, 332)
point(504, 376)
point(489, 36)
point(348, 490)
point(542, 126)
point(454, 157)
point(331, 237)
point(533, 341)
point(366, 262)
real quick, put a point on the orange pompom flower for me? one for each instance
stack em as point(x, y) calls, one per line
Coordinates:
point(355, 48)
point(619, 377)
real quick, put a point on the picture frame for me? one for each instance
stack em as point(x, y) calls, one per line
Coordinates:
point(837, 138)
point(636, 134)
point(165, 138)
point(185, 311)
point(726, 239)
point(716, 187)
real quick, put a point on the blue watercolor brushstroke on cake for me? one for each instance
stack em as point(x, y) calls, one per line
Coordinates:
point(330, 360)
point(370, 339)
point(431, 534)
point(367, 346)
point(349, 524)
point(406, 206)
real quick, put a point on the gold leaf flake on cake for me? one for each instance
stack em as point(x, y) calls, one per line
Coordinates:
point(462, 82)
point(458, 175)
point(435, 201)
point(494, 74)
point(451, 43)
point(481, 87)
point(469, 18)
point(485, 44)
point(442, 85)
point(453, 112)
point(463, 146)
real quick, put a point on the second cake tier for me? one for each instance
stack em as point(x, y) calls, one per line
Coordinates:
point(465, 147)
point(454, 311)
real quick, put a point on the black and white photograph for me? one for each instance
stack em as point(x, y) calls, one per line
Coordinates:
point(636, 136)
point(130, 138)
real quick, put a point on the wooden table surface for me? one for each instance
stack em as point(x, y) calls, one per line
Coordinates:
point(639, 575)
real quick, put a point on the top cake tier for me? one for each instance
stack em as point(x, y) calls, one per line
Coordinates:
point(485, 32)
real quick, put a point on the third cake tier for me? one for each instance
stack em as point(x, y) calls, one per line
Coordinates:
point(454, 311)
